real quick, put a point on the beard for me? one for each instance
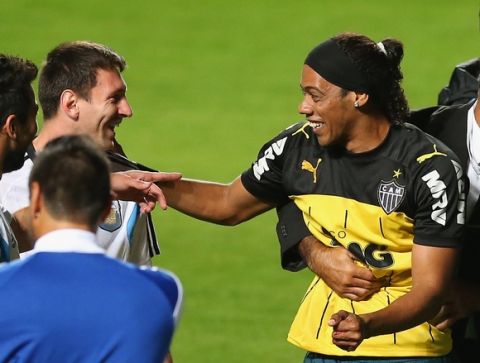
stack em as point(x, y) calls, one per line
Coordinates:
point(14, 160)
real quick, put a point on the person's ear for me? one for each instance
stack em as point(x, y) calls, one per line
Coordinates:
point(36, 201)
point(69, 104)
point(361, 99)
point(10, 126)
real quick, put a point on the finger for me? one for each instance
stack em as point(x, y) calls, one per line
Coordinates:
point(344, 342)
point(168, 177)
point(358, 295)
point(156, 194)
point(138, 184)
point(345, 345)
point(444, 324)
point(336, 318)
point(363, 284)
point(147, 205)
point(155, 176)
point(364, 274)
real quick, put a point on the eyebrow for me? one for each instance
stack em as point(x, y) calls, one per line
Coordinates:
point(309, 89)
point(118, 92)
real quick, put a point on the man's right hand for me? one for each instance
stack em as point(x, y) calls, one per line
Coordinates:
point(339, 269)
point(139, 186)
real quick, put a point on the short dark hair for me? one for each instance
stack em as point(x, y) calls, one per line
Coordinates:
point(74, 65)
point(382, 68)
point(16, 76)
point(74, 179)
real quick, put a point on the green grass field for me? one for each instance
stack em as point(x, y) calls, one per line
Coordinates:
point(210, 81)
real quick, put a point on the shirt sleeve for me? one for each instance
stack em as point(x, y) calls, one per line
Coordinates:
point(291, 229)
point(440, 198)
point(170, 285)
point(264, 179)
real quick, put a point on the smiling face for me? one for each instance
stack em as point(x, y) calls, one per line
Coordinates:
point(105, 108)
point(328, 108)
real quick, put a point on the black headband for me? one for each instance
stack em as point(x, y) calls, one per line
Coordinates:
point(331, 62)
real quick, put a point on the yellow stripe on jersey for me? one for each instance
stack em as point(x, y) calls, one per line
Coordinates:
point(383, 242)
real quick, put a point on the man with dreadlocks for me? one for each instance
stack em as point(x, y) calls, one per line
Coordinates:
point(367, 186)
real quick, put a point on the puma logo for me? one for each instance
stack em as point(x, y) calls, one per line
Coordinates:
point(302, 129)
point(309, 167)
point(422, 158)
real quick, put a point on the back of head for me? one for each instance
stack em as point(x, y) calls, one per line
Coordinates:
point(74, 66)
point(16, 76)
point(74, 179)
point(379, 63)
point(354, 62)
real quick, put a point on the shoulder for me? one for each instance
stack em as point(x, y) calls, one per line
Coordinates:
point(10, 273)
point(416, 146)
point(297, 134)
point(19, 173)
point(295, 130)
point(444, 111)
point(14, 194)
point(168, 283)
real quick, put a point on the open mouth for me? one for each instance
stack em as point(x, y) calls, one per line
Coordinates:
point(315, 124)
point(113, 125)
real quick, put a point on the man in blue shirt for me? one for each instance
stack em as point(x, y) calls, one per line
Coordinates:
point(87, 307)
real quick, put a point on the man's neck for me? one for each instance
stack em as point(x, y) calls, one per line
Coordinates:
point(52, 128)
point(368, 135)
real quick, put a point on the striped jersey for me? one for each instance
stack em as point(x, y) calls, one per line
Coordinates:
point(126, 234)
point(8, 243)
point(377, 204)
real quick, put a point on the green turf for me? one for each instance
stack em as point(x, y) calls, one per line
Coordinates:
point(210, 81)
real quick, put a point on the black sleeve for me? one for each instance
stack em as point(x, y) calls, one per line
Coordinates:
point(121, 163)
point(291, 229)
point(265, 178)
point(441, 190)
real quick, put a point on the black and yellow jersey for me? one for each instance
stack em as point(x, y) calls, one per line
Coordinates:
point(410, 189)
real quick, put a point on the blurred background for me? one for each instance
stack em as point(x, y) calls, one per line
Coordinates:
point(210, 81)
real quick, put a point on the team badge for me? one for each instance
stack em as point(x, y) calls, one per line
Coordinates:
point(114, 219)
point(390, 195)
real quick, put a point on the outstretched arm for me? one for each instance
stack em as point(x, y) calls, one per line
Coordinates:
point(227, 204)
point(139, 186)
point(432, 274)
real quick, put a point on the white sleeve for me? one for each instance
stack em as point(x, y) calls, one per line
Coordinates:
point(14, 192)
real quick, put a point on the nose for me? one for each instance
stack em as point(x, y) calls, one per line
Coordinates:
point(124, 108)
point(305, 107)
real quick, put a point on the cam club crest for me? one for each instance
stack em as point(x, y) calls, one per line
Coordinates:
point(390, 195)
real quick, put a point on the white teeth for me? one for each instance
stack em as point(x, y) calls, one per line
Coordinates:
point(315, 125)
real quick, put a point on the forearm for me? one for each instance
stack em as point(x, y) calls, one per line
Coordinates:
point(432, 276)
point(310, 249)
point(408, 311)
point(227, 204)
point(199, 199)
